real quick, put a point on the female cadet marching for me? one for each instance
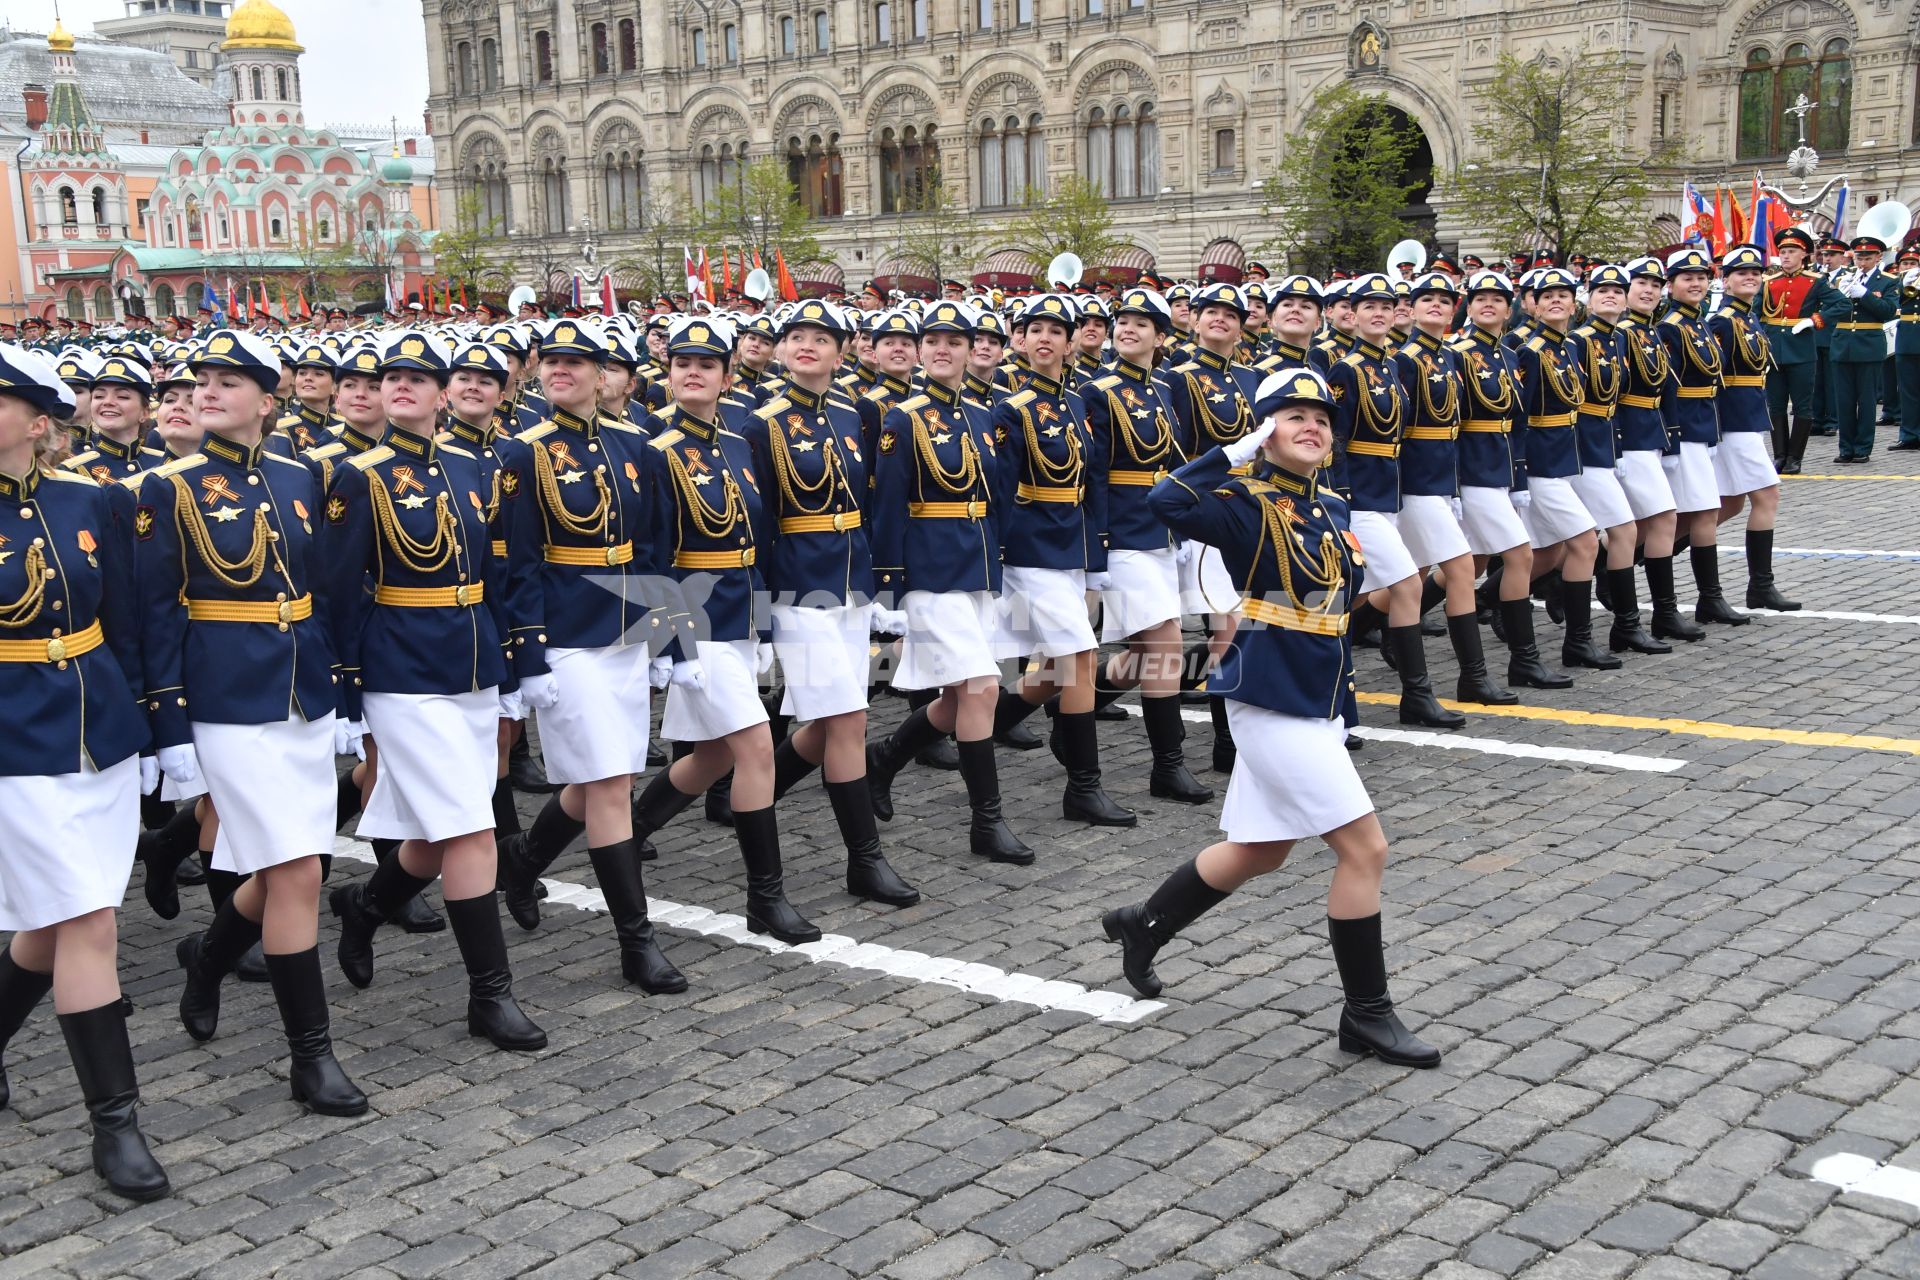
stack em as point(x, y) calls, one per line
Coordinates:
point(423, 666)
point(240, 684)
point(581, 651)
point(806, 443)
point(937, 523)
point(708, 527)
point(1285, 541)
point(1741, 465)
point(1642, 434)
point(69, 776)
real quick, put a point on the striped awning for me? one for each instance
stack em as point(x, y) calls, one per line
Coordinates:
point(1006, 269)
point(1124, 266)
point(1223, 259)
point(817, 279)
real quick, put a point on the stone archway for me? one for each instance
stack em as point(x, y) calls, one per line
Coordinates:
point(1358, 140)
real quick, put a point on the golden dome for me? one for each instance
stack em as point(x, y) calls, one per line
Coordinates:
point(59, 41)
point(259, 24)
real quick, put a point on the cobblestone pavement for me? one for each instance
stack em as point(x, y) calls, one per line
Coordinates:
point(1665, 998)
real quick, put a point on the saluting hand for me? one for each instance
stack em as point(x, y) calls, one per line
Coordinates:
point(1243, 450)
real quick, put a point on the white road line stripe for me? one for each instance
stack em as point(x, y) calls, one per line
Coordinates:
point(1864, 1176)
point(1831, 615)
point(1499, 747)
point(834, 948)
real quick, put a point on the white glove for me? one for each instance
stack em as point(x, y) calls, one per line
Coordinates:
point(1184, 553)
point(762, 657)
point(1101, 581)
point(889, 622)
point(347, 738)
point(1911, 278)
point(660, 672)
point(1855, 288)
point(539, 692)
point(1243, 450)
point(1801, 326)
point(181, 763)
point(1459, 511)
point(512, 706)
point(1521, 499)
point(689, 674)
point(149, 775)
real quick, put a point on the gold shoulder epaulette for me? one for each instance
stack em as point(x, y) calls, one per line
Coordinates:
point(536, 431)
point(1107, 383)
point(285, 462)
point(1021, 399)
point(371, 458)
point(456, 451)
point(72, 478)
point(668, 438)
point(772, 407)
point(913, 404)
point(1536, 342)
point(80, 459)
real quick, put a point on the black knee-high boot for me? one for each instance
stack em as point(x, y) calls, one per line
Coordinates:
point(525, 856)
point(1009, 715)
point(1796, 446)
point(617, 868)
point(363, 908)
point(103, 1060)
point(660, 803)
point(491, 1009)
point(1417, 703)
point(20, 991)
point(1166, 735)
point(525, 773)
point(1085, 799)
point(790, 768)
point(161, 852)
point(413, 914)
point(1141, 931)
point(1224, 752)
point(1368, 1023)
point(869, 875)
point(1761, 593)
point(987, 832)
point(940, 753)
point(346, 800)
point(506, 818)
point(888, 756)
point(768, 910)
point(1578, 648)
point(1668, 622)
point(314, 1077)
point(1432, 592)
point(207, 958)
point(1524, 667)
point(1712, 605)
point(1476, 683)
point(1626, 632)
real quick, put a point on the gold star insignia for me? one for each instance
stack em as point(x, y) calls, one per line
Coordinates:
point(5, 556)
point(227, 515)
point(804, 446)
point(1051, 432)
point(943, 437)
point(1218, 397)
point(705, 477)
point(572, 477)
point(414, 501)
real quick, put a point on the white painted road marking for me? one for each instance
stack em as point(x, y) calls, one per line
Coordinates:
point(1500, 747)
point(834, 948)
point(1868, 1177)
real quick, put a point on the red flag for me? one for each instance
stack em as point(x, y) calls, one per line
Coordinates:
point(726, 273)
point(1737, 226)
point(1719, 221)
point(463, 293)
point(706, 272)
point(306, 312)
point(758, 265)
point(789, 292)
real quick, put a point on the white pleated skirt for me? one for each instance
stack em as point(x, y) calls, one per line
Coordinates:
point(1205, 584)
point(598, 729)
point(66, 843)
point(729, 703)
point(1387, 557)
point(1489, 520)
point(823, 659)
point(1427, 528)
point(1292, 777)
point(1600, 493)
point(437, 757)
point(1554, 511)
point(1043, 613)
point(1145, 592)
point(1743, 463)
point(1644, 481)
point(949, 638)
point(1690, 475)
point(274, 787)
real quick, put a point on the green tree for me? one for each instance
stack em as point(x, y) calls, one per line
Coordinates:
point(473, 249)
point(761, 213)
point(1336, 198)
point(1556, 167)
point(657, 264)
point(326, 264)
point(941, 240)
point(1074, 217)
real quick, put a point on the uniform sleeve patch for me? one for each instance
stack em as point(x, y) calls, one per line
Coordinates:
point(336, 509)
point(887, 442)
point(143, 521)
point(510, 483)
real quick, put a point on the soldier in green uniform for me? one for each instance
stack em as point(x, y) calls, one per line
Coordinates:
point(1859, 305)
point(1906, 348)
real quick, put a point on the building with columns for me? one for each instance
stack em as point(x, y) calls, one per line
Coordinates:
point(557, 110)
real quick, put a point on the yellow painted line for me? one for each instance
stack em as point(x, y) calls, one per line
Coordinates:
point(1691, 728)
point(1851, 475)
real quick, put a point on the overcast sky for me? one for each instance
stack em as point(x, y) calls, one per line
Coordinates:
point(366, 60)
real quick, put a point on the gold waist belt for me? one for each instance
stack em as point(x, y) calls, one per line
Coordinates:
point(1370, 449)
point(838, 522)
point(620, 553)
point(974, 510)
point(431, 597)
point(713, 559)
point(1048, 493)
point(280, 611)
point(1293, 618)
point(54, 649)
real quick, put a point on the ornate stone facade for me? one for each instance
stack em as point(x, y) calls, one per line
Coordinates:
point(1177, 107)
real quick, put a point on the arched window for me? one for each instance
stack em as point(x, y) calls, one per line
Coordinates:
point(280, 83)
point(69, 207)
point(99, 207)
point(699, 46)
point(621, 179)
point(323, 227)
point(1123, 150)
point(276, 228)
point(542, 57)
point(554, 194)
point(730, 44)
point(489, 65)
point(463, 66)
point(629, 45)
point(193, 218)
point(1768, 86)
point(487, 171)
point(259, 85)
point(1012, 159)
point(920, 19)
point(991, 166)
point(883, 22)
point(816, 169)
point(162, 300)
point(909, 163)
point(822, 32)
point(76, 305)
point(789, 36)
point(602, 51)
